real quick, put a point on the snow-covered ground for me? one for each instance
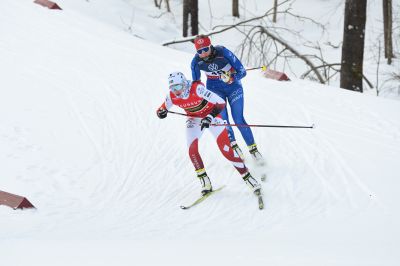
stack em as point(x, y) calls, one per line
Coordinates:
point(79, 137)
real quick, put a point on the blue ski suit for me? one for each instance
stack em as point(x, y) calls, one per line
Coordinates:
point(222, 59)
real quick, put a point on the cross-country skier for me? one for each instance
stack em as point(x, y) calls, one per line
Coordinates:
point(224, 72)
point(203, 108)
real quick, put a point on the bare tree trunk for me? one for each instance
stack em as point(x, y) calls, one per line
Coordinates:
point(190, 10)
point(194, 15)
point(353, 45)
point(186, 14)
point(235, 8)
point(167, 4)
point(388, 29)
point(275, 10)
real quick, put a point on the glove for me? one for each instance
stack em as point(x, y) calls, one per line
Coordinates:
point(206, 121)
point(226, 77)
point(162, 113)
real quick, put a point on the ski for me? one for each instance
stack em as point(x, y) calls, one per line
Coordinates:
point(260, 199)
point(201, 199)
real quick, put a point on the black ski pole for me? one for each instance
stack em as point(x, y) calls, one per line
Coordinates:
point(254, 68)
point(177, 113)
point(244, 125)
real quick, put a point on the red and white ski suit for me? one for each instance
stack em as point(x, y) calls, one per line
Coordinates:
point(198, 102)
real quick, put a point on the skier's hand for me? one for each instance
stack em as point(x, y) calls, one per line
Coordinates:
point(162, 113)
point(206, 121)
point(227, 77)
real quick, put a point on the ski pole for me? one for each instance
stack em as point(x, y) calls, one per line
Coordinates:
point(254, 68)
point(243, 125)
point(172, 112)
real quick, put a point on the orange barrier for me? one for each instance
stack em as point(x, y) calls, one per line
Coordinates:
point(272, 74)
point(47, 3)
point(14, 201)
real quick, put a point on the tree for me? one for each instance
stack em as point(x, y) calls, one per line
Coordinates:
point(235, 8)
point(190, 11)
point(158, 4)
point(351, 74)
point(388, 29)
point(275, 10)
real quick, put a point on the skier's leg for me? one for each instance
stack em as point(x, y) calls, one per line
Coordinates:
point(236, 101)
point(221, 135)
point(231, 135)
point(225, 116)
point(193, 134)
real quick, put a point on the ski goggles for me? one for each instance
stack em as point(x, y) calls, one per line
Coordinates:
point(203, 50)
point(176, 87)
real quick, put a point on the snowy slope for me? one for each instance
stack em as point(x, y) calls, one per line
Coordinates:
point(79, 137)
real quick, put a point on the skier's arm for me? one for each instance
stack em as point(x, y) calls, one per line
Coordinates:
point(196, 74)
point(235, 63)
point(162, 111)
point(219, 103)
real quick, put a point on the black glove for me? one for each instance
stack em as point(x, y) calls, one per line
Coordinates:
point(162, 113)
point(206, 121)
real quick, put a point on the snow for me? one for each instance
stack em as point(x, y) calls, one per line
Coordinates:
point(80, 139)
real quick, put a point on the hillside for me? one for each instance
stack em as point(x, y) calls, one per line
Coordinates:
point(79, 137)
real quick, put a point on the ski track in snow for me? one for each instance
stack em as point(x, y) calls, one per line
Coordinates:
point(306, 179)
point(323, 174)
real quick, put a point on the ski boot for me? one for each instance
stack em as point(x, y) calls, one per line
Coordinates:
point(255, 187)
point(252, 183)
point(205, 181)
point(256, 155)
point(237, 149)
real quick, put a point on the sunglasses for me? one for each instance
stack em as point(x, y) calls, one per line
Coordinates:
point(176, 87)
point(203, 50)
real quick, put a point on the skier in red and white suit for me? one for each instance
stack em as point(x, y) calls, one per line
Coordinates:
point(203, 107)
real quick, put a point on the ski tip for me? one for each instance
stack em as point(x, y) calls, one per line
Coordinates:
point(260, 200)
point(261, 204)
point(184, 208)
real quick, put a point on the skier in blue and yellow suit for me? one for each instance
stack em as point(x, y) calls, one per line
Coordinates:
point(224, 72)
